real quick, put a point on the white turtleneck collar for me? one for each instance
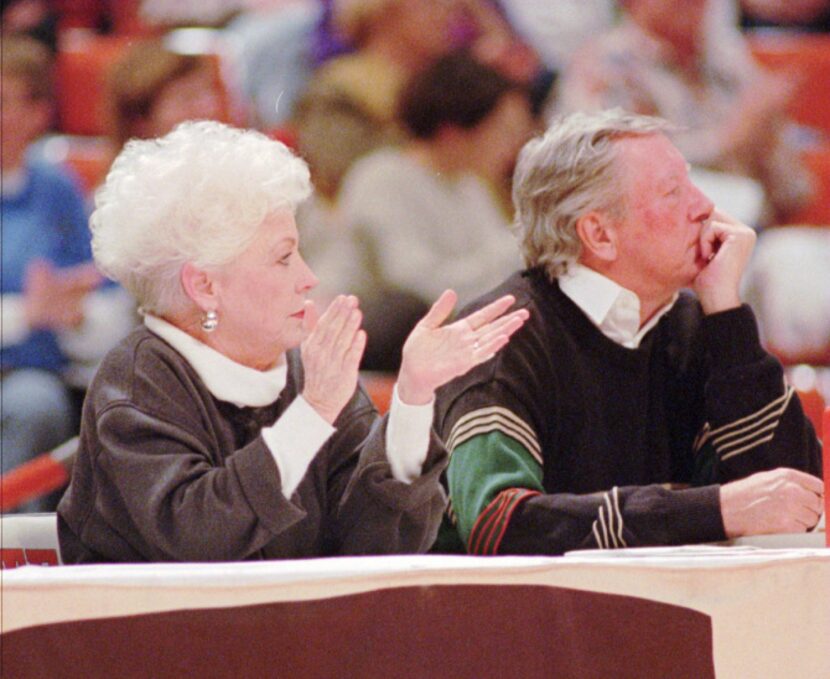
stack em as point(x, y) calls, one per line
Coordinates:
point(226, 379)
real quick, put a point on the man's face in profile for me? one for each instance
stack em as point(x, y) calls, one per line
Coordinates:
point(659, 230)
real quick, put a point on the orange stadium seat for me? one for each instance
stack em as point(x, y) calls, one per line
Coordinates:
point(81, 70)
point(813, 404)
point(83, 62)
point(379, 388)
point(122, 17)
point(80, 13)
point(817, 212)
point(807, 55)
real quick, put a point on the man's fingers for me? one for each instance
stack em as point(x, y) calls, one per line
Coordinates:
point(710, 237)
point(440, 310)
point(806, 517)
point(719, 215)
point(808, 481)
point(489, 313)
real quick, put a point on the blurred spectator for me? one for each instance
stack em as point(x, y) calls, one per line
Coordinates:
point(349, 106)
point(425, 217)
point(37, 19)
point(485, 29)
point(556, 30)
point(46, 268)
point(326, 43)
point(800, 15)
point(152, 89)
point(205, 13)
point(788, 285)
point(657, 62)
point(272, 50)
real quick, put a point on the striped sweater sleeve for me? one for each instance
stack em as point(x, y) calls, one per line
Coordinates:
point(499, 506)
point(753, 419)
point(489, 475)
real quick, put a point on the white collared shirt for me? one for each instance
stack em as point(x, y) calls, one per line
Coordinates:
point(299, 433)
point(614, 309)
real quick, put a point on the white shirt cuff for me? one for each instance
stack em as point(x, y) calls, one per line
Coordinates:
point(294, 439)
point(15, 327)
point(407, 437)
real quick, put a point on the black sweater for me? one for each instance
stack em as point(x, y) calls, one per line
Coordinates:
point(698, 403)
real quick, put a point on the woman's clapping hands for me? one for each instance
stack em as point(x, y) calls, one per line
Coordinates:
point(435, 353)
point(331, 352)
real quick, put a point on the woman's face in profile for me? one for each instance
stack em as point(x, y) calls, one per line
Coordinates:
point(261, 296)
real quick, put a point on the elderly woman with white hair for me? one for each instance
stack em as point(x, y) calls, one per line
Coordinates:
point(230, 425)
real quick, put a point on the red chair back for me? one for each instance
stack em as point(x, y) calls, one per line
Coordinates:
point(812, 402)
point(37, 477)
point(808, 56)
point(29, 539)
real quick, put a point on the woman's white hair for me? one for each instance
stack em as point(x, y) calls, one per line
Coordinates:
point(198, 194)
point(565, 173)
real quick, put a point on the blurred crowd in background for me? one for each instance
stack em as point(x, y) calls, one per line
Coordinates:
point(410, 114)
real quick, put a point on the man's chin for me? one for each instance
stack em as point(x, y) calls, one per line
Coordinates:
point(688, 280)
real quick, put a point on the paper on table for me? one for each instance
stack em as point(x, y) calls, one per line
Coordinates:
point(684, 551)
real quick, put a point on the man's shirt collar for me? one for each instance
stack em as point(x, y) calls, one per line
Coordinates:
point(614, 309)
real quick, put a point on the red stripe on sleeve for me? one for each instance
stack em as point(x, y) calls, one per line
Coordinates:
point(521, 498)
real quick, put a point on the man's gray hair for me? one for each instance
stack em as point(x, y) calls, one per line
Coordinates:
point(565, 173)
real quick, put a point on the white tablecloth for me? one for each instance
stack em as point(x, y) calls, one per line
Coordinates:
point(769, 609)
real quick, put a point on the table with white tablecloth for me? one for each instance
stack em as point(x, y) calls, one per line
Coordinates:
point(727, 611)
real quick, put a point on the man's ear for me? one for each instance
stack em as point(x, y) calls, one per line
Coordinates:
point(598, 234)
point(199, 286)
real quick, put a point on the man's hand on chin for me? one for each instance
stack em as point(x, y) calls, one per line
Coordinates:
point(726, 246)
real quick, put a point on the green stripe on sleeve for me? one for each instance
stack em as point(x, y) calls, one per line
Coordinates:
point(481, 468)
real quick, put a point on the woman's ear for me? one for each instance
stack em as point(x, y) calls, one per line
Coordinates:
point(199, 286)
point(598, 234)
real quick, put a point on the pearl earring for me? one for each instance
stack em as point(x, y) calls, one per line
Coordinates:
point(210, 321)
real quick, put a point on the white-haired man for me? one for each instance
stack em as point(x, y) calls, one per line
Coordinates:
point(627, 411)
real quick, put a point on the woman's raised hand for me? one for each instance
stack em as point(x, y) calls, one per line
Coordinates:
point(434, 353)
point(331, 353)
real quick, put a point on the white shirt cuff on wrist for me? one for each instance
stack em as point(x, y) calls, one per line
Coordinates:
point(407, 437)
point(294, 439)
